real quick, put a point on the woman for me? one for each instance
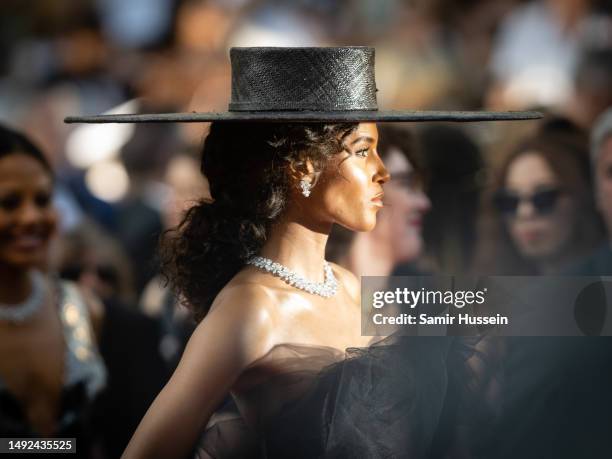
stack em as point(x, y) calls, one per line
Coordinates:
point(397, 238)
point(253, 311)
point(187, 185)
point(542, 218)
point(93, 260)
point(50, 370)
point(251, 265)
point(544, 214)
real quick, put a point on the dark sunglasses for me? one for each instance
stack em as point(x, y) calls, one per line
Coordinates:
point(543, 201)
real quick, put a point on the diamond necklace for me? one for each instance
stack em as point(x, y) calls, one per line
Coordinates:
point(326, 289)
point(18, 313)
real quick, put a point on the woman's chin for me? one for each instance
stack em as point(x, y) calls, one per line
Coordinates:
point(25, 261)
point(410, 250)
point(366, 225)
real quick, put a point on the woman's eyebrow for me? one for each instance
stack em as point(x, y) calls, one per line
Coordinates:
point(363, 137)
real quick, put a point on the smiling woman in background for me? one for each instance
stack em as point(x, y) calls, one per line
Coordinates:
point(50, 369)
point(544, 216)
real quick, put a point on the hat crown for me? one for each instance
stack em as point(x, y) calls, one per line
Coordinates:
point(303, 79)
point(302, 85)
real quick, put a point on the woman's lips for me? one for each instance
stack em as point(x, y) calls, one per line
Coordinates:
point(416, 223)
point(530, 236)
point(378, 200)
point(28, 242)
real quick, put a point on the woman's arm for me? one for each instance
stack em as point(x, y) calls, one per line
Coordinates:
point(235, 333)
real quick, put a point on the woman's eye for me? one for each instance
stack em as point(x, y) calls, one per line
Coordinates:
point(43, 200)
point(362, 153)
point(10, 202)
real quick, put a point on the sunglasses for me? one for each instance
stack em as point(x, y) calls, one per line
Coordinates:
point(542, 201)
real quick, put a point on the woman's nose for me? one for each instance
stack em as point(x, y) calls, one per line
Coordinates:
point(28, 214)
point(382, 174)
point(417, 201)
point(424, 202)
point(525, 209)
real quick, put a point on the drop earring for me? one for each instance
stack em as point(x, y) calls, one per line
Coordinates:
point(305, 186)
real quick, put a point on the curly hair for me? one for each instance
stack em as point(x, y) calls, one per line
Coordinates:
point(247, 166)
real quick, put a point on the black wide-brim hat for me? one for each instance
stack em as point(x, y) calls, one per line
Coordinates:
point(305, 85)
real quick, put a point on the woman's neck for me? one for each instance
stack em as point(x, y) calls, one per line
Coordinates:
point(299, 247)
point(368, 256)
point(15, 284)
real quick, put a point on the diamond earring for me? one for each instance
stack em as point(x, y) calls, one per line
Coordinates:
point(305, 186)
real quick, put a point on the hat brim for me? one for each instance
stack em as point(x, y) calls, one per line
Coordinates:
point(311, 116)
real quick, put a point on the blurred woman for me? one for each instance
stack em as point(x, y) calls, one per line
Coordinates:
point(396, 239)
point(50, 368)
point(186, 184)
point(543, 216)
point(93, 259)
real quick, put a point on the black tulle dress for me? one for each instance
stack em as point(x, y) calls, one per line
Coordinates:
point(429, 397)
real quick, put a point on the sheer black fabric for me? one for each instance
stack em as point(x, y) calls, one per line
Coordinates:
point(430, 397)
point(392, 399)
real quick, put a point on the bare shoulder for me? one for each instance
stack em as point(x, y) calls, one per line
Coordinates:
point(243, 317)
point(248, 300)
point(348, 280)
point(235, 333)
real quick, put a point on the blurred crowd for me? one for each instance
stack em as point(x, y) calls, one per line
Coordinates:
point(488, 198)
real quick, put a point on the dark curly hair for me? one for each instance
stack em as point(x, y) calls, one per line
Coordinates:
point(247, 166)
point(12, 142)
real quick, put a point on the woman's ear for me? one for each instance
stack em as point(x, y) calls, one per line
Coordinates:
point(302, 171)
point(303, 176)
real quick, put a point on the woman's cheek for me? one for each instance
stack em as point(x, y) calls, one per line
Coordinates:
point(53, 220)
point(345, 196)
point(338, 206)
point(567, 211)
point(565, 222)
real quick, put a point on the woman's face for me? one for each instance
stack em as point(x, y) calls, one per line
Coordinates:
point(538, 213)
point(27, 217)
point(401, 221)
point(350, 189)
